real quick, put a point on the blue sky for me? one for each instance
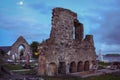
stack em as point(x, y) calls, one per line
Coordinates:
point(32, 20)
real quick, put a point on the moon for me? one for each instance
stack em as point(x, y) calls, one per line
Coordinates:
point(20, 3)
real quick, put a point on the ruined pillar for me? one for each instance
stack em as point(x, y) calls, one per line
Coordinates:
point(27, 64)
point(78, 30)
point(41, 65)
point(62, 25)
point(89, 38)
point(28, 59)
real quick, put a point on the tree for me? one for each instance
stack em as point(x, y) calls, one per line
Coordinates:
point(2, 53)
point(1, 63)
point(34, 45)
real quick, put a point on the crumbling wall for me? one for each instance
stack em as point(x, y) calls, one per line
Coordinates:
point(14, 48)
point(79, 34)
point(66, 45)
point(62, 25)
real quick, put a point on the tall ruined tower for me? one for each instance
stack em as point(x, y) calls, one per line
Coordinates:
point(65, 26)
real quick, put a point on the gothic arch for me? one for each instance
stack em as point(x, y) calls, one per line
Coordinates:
point(72, 67)
point(80, 66)
point(86, 66)
point(61, 68)
point(20, 42)
point(52, 69)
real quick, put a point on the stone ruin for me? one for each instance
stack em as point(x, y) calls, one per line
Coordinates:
point(14, 53)
point(66, 51)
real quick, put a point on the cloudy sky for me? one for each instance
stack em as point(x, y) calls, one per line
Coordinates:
point(32, 20)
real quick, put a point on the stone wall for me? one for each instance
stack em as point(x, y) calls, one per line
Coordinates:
point(15, 48)
point(66, 45)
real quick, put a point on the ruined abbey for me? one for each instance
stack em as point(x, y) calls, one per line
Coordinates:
point(66, 51)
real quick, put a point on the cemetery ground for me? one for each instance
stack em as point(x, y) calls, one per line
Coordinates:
point(20, 73)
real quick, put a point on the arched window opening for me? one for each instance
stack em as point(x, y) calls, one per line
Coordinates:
point(62, 68)
point(72, 67)
point(86, 66)
point(80, 66)
point(52, 69)
point(21, 52)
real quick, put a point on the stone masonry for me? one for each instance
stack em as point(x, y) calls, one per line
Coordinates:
point(66, 51)
point(14, 51)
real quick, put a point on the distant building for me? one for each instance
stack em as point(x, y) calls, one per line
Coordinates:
point(13, 51)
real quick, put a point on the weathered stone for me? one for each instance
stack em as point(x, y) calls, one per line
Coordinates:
point(66, 46)
point(42, 65)
point(15, 47)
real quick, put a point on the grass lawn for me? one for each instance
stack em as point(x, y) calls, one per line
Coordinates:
point(101, 77)
point(104, 64)
point(18, 68)
point(25, 72)
point(13, 66)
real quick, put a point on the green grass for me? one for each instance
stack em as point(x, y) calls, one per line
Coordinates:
point(103, 63)
point(25, 72)
point(101, 77)
point(18, 67)
point(13, 66)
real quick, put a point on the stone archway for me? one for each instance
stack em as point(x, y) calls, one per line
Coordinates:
point(86, 66)
point(52, 69)
point(15, 48)
point(72, 67)
point(62, 68)
point(21, 51)
point(80, 66)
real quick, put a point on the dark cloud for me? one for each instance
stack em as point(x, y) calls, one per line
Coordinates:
point(109, 29)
